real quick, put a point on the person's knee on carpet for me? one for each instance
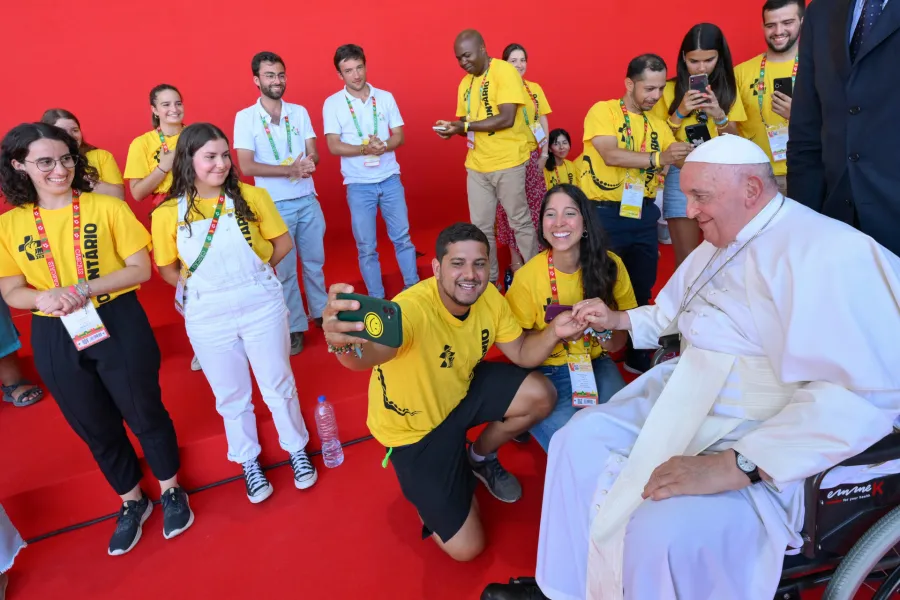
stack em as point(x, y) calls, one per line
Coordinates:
point(469, 542)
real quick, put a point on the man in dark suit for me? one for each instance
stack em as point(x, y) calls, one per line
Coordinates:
point(845, 126)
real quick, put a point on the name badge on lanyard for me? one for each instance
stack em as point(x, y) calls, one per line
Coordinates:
point(470, 140)
point(777, 134)
point(539, 136)
point(632, 197)
point(470, 135)
point(84, 325)
point(369, 161)
point(181, 286)
point(778, 140)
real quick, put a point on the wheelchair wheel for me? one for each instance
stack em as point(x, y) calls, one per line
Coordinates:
point(873, 558)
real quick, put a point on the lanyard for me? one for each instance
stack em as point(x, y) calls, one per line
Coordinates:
point(162, 140)
point(287, 127)
point(480, 91)
point(209, 235)
point(554, 291)
point(356, 122)
point(630, 134)
point(76, 237)
point(568, 174)
point(761, 86)
point(537, 105)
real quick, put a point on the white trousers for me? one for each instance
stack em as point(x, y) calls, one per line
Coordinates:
point(228, 327)
point(728, 545)
point(10, 542)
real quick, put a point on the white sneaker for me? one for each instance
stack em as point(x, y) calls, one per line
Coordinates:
point(258, 487)
point(305, 474)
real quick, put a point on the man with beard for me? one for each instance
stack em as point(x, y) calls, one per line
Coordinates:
point(363, 126)
point(768, 108)
point(276, 144)
point(426, 395)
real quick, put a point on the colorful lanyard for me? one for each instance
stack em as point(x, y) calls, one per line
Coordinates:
point(537, 106)
point(628, 130)
point(568, 174)
point(209, 235)
point(761, 86)
point(554, 291)
point(480, 91)
point(287, 127)
point(162, 140)
point(76, 236)
point(356, 122)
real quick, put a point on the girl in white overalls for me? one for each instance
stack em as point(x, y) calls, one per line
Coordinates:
point(214, 239)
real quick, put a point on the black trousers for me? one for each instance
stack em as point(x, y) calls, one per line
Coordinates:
point(636, 243)
point(114, 380)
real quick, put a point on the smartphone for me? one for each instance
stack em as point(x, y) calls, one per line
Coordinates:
point(697, 134)
point(436, 128)
point(555, 310)
point(699, 82)
point(785, 85)
point(383, 319)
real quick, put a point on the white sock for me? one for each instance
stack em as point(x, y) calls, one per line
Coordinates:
point(473, 455)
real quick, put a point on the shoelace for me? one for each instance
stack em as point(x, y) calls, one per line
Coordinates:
point(300, 463)
point(254, 476)
point(172, 501)
point(128, 516)
point(495, 469)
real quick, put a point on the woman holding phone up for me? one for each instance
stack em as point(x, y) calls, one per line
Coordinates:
point(216, 241)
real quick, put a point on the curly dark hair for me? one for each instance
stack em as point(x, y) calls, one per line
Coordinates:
point(16, 185)
point(599, 272)
point(192, 138)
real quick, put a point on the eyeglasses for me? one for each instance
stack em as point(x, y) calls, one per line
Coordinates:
point(47, 164)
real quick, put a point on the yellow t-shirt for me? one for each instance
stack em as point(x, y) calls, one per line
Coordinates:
point(537, 107)
point(503, 149)
point(601, 182)
point(747, 75)
point(414, 392)
point(568, 173)
point(106, 166)
point(143, 157)
point(737, 113)
point(529, 295)
point(110, 233)
point(165, 221)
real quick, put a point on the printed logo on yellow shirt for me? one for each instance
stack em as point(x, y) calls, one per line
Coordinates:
point(32, 248)
point(600, 184)
point(403, 412)
point(489, 111)
point(447, 357)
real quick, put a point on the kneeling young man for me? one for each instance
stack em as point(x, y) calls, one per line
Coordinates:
point(427, 394)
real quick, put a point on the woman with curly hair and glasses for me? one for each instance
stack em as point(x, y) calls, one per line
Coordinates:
point(217, 240)
point(75, 258)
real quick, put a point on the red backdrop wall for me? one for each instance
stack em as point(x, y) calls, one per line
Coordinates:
point(99, 59)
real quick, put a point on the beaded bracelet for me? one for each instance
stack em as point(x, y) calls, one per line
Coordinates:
point(346, 349)
point(602, 336)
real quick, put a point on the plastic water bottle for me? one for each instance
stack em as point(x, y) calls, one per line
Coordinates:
point(326, 424)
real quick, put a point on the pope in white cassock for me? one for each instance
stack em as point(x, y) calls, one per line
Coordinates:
point(688, 484)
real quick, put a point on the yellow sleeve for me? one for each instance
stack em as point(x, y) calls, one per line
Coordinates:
point(661, 108)
point(599, 122)
point(136, 166)
point(461, 97)
point(542, 100)
point(737, 112)
point(410, 315)
point(268, 219)
point(129, 235)
point(8, 265)
point(107, 167)
point(666, 137)
point(508, 329)
point(521, 301)
point(510, 89)
point(164, 227)
point(622, 291)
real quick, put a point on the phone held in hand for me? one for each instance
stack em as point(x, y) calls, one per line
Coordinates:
point(437, 128)
point(785, 85)
point(382, 318)
point(699, 82)
point(554, 310)
point(697, 134)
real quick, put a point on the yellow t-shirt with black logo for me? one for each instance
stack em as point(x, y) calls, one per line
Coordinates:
point(143, 157)
point(537, 106)
point(529, 295)
point(106, 166)
point(415, 391)
point(754, 128)
point(496, 150)
point(110, 233)
point(568, 173)
point(737, 114)
point(165, 221)
point(602, 182)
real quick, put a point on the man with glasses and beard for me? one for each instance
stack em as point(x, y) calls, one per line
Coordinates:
point(276, 145)
point(425, 395)
point(768, 106)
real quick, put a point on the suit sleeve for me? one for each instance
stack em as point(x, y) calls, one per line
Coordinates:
point(805, 169)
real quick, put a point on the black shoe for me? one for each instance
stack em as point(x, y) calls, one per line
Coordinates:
point(508, 278)
point(638, 361)
point(128, 525)
point(522, 438)
point(296, 342)
point(500, 483)
point(305, 474)
point(177, 513)
point(523, 588)
point(258, 487)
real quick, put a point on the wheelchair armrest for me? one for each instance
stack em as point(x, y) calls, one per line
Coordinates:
point(887, 448)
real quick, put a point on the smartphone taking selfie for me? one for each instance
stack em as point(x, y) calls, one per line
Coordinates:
point(697, 134)
point(382, 318)
point(699, 82)
point(785, 85)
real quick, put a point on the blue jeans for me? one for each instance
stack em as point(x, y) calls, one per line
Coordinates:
point(364, 200)
point(609, 381)
point(636, 243)
point(306, 226)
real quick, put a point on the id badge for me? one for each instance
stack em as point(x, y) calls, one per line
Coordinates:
point(584, 384)
point(287, 162)
point(778, 140)
point(85, 327)
point(470, 140)
point(632, 198)
point(539, 135)
point(179, 296)
point(372, 161)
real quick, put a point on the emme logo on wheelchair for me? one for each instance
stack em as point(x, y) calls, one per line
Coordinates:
point(856, 492)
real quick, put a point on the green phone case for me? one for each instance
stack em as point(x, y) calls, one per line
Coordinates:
point(384, 323)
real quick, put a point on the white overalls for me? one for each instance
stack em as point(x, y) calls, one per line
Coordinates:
point(235, 311)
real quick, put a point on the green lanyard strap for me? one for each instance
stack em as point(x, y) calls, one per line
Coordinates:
point(480, 92)
point(359, 130)
point(287, 127)
point(210, 233)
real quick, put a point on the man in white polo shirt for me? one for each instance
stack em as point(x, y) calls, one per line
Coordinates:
point(276, 144)
point(363, 126)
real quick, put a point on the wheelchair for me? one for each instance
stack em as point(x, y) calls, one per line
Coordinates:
point(851, 532)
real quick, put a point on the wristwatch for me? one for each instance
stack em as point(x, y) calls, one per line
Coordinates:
point(748, 467)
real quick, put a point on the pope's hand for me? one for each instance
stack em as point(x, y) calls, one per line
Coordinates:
point(695, 476)
point(335, 330)
point(596, 314)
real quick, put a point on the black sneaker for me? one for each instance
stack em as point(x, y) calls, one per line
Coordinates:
point(516, 589)
point(296, 342)
point(177, 513)
point(258, 487)
point(305, 474)
point(500, 483)
point(128, 525)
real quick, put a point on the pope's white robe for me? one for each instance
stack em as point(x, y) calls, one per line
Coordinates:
point(821, 302)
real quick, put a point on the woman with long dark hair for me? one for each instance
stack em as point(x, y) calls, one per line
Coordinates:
point(93, 345)
point(109, 177)
point(577, 266)
point(558, 168)
point(151, 155)
point(717, 109)
point(216, 240)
